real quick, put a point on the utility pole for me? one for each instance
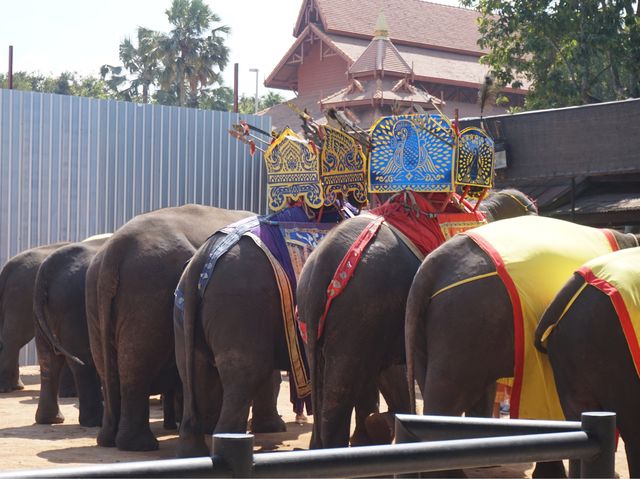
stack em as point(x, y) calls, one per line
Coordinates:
point(235, 88)
point(255, 70)
point(10, 75)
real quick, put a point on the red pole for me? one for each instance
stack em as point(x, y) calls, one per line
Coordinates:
point(10, 76)
point(235, 88)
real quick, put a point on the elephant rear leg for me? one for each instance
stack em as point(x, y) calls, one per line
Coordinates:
point(51, 365)
point(265, 417)
point(9, 368)
point(134, 433)
point(89, 394)
point(201, 409)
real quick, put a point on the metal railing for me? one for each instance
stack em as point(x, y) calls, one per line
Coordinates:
point(589, 444)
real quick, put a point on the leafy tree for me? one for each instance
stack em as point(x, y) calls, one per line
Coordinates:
point(191, 51)
point(570, 51)
point(246, 104)
point(142, 62)
point(64, 84)
point(220, 99)
point(270, 99)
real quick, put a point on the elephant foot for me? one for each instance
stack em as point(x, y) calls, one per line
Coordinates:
point(91, 420)
point(273, 424)
point(49, 417)
point(192, 446)
point(136, 441)
point(360, 437)
point(106, 437)
point(549, 469)
point(170, 424)
point(380, 428)
point(67, 392)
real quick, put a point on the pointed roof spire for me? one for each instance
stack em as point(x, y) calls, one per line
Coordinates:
point(382, 28)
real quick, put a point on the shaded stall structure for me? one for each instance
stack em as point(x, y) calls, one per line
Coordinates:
point(579, 163)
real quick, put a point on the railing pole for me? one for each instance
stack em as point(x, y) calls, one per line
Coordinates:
point(602, 426)
point(236, 450)
point(574, 468)
point(403, 436)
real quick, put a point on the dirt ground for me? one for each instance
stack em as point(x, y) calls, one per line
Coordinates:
point(26, 445)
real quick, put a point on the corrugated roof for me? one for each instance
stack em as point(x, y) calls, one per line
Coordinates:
point(410, 22)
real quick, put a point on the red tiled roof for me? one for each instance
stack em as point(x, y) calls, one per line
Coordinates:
point(387, 90)
point(380, 54)
point(411, 22)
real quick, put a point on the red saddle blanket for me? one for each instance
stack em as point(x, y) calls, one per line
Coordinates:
point(423, 221)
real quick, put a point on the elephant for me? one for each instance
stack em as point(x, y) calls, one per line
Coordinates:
point(61, 331)
point(230, 339)
point(17, 279)
point(129, 297)
point(584, 331)
point(362, 346)
point(473, 306)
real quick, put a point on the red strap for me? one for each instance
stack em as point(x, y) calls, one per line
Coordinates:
point(347, 266)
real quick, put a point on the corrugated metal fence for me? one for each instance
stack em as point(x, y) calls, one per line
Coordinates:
point(72, 167)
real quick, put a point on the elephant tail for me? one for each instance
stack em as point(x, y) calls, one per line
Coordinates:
point(106, 289)
point(4, 274)
point(417, 303)
point(40, 301)
point(184, 318)
point(556, 309)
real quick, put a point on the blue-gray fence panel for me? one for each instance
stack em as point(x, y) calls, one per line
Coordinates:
point(71, 167)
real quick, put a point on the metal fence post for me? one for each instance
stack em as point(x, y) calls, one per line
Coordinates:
point(601, 426)
point(236, 450)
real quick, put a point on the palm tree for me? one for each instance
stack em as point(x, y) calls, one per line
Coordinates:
point(192, 50)
point(142, 64)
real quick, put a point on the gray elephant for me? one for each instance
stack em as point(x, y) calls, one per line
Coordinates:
point(231, 338)
point(363, 333)
point(129, 295)
point(17, 279)
point(590, 332)
point(61, 331)
point(473, 307)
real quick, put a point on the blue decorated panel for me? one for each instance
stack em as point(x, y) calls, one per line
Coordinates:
point(414, 152)
point(475, 163)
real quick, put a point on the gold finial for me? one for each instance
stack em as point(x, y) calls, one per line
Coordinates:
point(382, 29)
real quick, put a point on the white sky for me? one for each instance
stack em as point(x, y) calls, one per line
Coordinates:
point(52, 36)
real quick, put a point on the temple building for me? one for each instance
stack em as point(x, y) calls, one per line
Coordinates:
point(381, 57)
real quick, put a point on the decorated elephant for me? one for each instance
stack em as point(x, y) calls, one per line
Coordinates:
point(362, 333)
point(129, 295)
point(61, 331)
point(234, 325)
point(474, 305)
point(17, 279)
point(590, 332)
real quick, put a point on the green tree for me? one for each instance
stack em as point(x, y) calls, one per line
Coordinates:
point(571, 52)
point(66, 83)
point(246, 104)
point(141, 62)
point(193, 53)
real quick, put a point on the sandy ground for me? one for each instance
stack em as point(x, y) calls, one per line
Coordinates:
point(26, 445)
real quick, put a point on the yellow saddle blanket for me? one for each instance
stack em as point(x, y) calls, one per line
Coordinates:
point(618, 276)
point(534, 257)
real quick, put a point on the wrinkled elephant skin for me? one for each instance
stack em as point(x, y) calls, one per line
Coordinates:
point(17, 279)
point(364, 329)
point(230, 347)
point(61, 325)
point(592, 366)
point(129, 294)
point(461, 340)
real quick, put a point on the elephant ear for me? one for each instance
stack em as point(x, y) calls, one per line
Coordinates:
point(557, 309)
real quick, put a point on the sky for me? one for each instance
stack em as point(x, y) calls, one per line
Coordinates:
point(53, 36)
